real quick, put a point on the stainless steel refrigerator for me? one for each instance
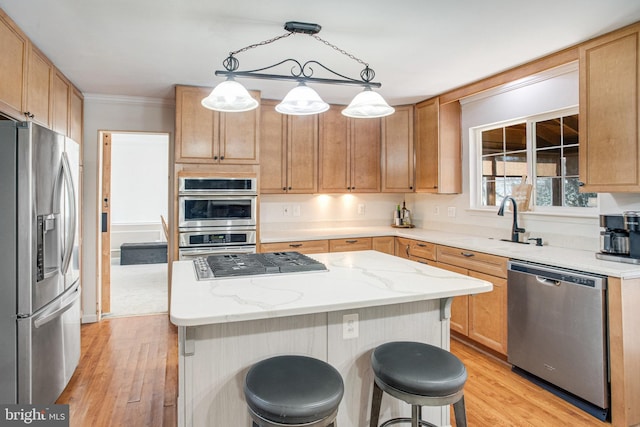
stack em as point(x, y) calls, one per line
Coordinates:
point(39, 263)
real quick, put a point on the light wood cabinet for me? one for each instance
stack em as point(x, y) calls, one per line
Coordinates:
point(386, 244)
point(416, 250)
point(352, 244)
point(76, 115)
point(302, 246)
point(60, 107)
point(486, 318)
point(349, 153)
point(206, 136)
point(438, 147)
point(397, 157)
point(13, 63)
point(39, 87)
point(609, 112)
point(288, 152)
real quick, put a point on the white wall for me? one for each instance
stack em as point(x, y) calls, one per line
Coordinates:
point(105, 113)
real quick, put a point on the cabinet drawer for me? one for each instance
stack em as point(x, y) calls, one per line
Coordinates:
point(302, 246)
point(410, 248)
point(476, 261)
point(355, 244)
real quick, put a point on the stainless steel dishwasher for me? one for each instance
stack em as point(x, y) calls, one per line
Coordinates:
point(558, 332)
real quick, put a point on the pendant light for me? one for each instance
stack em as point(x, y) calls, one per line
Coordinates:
point(301, 100)
point(368, 104)
point(230, 96)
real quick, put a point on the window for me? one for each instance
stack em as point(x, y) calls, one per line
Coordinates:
point(543, 147)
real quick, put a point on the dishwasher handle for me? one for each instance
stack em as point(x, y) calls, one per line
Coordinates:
point(547, 281)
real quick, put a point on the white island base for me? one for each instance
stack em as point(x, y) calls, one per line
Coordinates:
point(394, 299)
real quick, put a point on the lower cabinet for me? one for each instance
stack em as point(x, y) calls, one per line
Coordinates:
point(302, 246)
point(354, 244)
point(416, 250)
point(481, 317)
point(386, 244)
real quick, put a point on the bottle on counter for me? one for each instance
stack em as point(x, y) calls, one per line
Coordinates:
point(397, 218)
point(405, 215)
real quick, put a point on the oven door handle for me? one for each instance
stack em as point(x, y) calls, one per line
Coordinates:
point(193, 252)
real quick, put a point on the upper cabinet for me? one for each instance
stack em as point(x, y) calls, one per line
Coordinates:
point(397, 151)
point(438, 147)
point(349, 153)
point(32, 88)
point(13, 62)
point(288, 151)
point(609, 112)
point(206, 136)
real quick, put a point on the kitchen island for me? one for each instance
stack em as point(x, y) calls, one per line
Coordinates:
point(363, 300)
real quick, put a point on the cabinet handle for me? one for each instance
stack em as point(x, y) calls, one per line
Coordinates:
point(407, 251)
point(466, 254)
point(215, 157)
point(421, 245)
point(29, 114)
point(348, 188)
point(221, 157)
point(289, 188)
point(411, 187)
point(580, 184)
point(295, 245)
point(351, 241)
point(284, 188)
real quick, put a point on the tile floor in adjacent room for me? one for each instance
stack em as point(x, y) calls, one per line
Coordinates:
point(138, 289)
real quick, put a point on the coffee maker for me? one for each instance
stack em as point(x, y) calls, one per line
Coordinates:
point(620, 240)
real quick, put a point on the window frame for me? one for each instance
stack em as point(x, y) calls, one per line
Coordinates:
point(476, 178)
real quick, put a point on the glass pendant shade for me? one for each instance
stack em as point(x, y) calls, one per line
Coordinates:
point(302, 101)
point(368, 104)
point(229, 96)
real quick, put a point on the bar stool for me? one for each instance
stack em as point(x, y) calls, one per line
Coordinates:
point(293, 391)
point(419, 374)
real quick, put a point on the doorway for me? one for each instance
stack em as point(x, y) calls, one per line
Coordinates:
point(135, 183)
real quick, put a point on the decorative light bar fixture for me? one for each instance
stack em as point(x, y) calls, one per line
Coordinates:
point(231, 96)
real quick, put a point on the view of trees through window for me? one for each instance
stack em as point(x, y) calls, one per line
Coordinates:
point(547, 150)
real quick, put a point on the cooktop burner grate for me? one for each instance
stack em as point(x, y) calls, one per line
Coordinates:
point(238, 265)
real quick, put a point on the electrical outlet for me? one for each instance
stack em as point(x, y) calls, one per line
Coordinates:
point(436, 210)
point(296, 210)
point(361, 209)
point(350, 326)
point(286, 210)
point(451, 211)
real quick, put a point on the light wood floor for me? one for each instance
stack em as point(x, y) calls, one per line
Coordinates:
point(128, 377)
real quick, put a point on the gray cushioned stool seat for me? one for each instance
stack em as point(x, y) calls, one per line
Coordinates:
point(293, 389)
point(418, 368)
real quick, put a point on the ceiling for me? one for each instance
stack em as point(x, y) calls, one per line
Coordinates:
point(418, 48)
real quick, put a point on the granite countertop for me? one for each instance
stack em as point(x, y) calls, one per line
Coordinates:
point(354, 280)
point(575, 259)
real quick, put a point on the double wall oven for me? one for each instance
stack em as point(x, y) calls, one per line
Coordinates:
point(216, 215)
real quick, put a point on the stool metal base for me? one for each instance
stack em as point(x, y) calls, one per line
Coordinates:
point(259, 421)
point(416, 402)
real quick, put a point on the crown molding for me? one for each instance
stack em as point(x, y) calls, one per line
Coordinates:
point(128, 100)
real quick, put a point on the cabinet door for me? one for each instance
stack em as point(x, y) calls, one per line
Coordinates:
point(488, 314)
point(239, 136)
point(334, 155)
point(384, 244)
point(75, 115)
point(438, 147)
point(346, 245)
point(609, 112)
point(302, 149)
point(427, 146)
point(397, 151)
point(39, 79)
point(60, 104)
point(196, 127)
point(273, 150)
point(459, 321)
point(365, 155)
point(13, 45)
point(403, 246)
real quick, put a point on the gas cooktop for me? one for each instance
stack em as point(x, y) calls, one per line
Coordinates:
point(239, 265)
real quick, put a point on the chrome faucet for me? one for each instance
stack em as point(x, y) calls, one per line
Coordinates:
point(515, 230)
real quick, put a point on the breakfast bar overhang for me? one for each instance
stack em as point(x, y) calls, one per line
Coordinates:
point(364, 299)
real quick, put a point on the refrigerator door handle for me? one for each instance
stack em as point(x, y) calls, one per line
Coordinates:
point(71, 197)
point(65, 304)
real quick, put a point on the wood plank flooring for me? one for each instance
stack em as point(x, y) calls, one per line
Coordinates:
point(128, 376)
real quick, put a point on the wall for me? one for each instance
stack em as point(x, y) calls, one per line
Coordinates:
point(105, 113)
